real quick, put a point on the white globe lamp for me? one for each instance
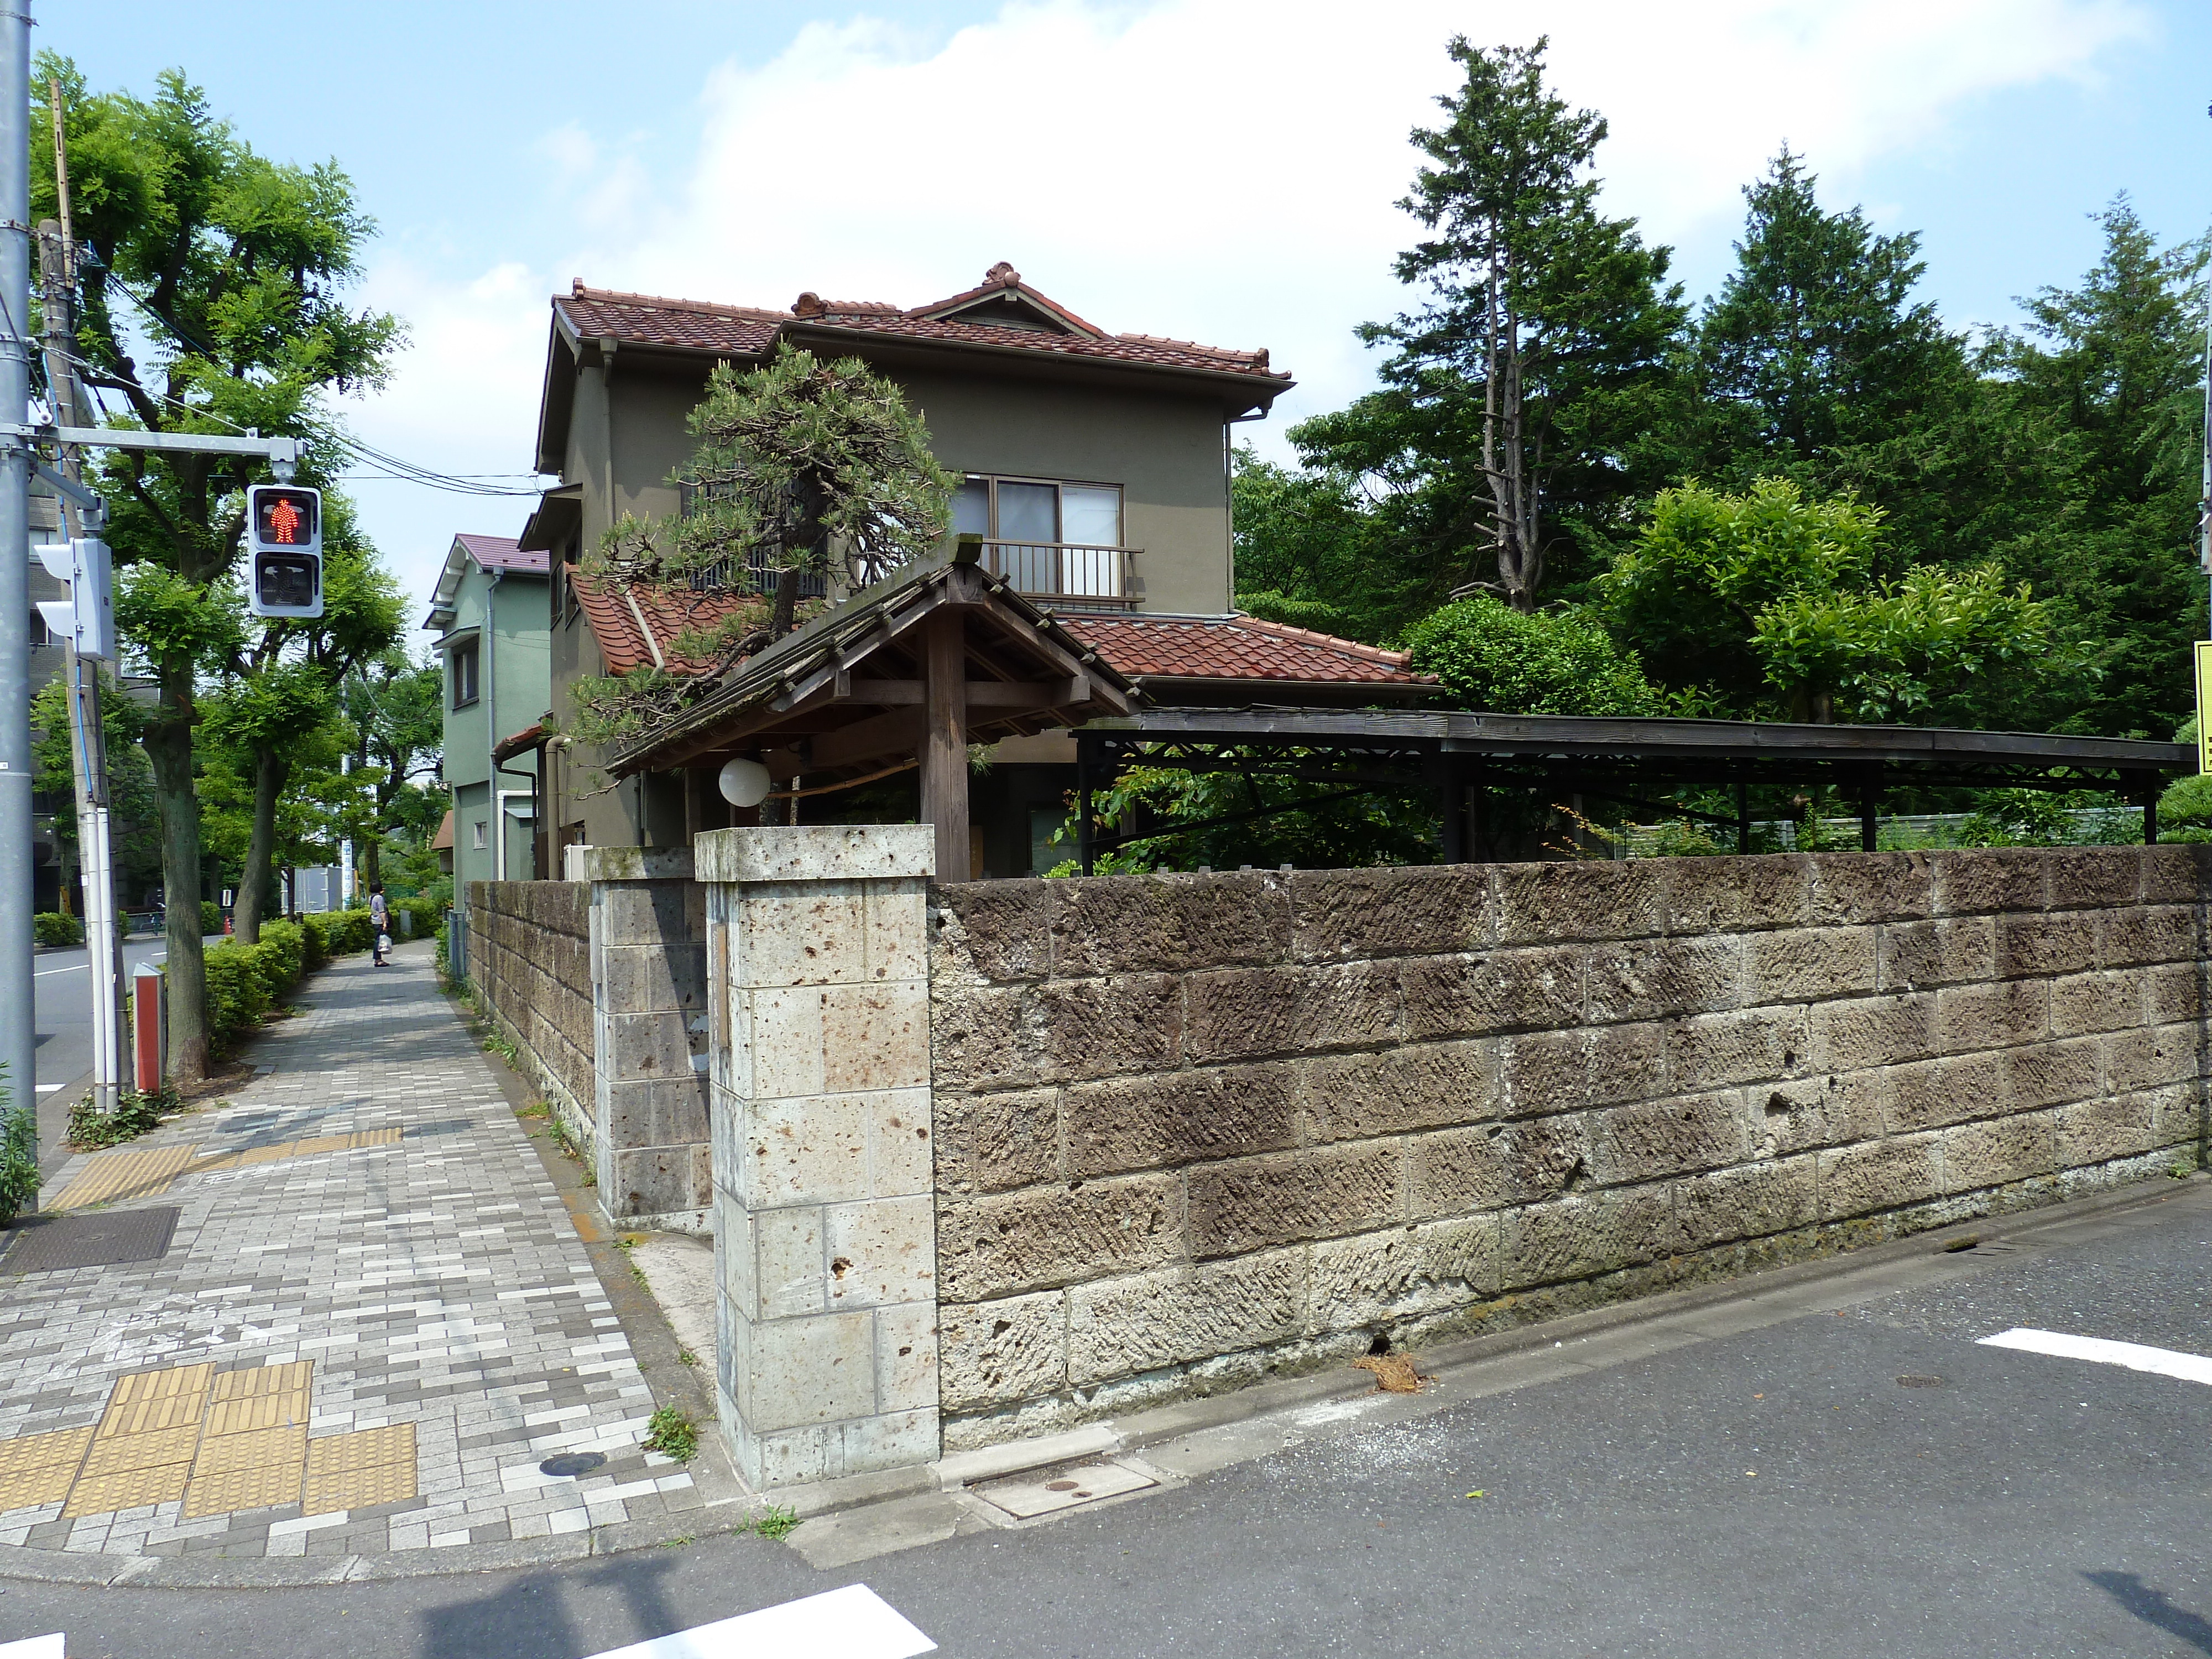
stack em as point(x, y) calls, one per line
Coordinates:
point(744, 783)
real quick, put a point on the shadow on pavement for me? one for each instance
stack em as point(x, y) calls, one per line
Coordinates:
point(2152, 1606)
point(529, 1618)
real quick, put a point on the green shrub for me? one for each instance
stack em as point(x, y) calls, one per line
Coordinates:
point(52, 927)
point(2184, 810)
point(235, 999)
point(280, 958)
point(134, 1115)
point(1490, 656)
point(19, 1152)
point(427, 913)
point(210, 916)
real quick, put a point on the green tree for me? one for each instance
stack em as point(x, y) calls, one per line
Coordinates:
point(215, 304)
point(1532, 398)
point(1490, 656)
point(1310, 553)
point(801, 466)
point(397, 706)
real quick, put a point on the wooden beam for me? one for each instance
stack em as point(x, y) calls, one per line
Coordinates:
point(896, 733)
point(945, 743)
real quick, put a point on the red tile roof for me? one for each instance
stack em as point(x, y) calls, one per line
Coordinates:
point(499, 553)
point(741, 330)
point(1236, 648)
point(667, 612)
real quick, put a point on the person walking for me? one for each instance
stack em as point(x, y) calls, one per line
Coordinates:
point(379, 921)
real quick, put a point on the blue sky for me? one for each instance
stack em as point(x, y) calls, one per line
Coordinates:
point(1215, 169)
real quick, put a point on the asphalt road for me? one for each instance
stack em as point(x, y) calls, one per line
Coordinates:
point(64, 1035)
point(1774, 1492)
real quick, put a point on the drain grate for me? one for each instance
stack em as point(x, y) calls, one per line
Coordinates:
point(1919, 1382)
point(51, 1244)
point(573, 1463)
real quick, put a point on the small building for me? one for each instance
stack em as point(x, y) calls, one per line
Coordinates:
point(488, 610)
point(1094, 486)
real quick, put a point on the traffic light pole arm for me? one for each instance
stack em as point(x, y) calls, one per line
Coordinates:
point(95, 507)
point(282, 455)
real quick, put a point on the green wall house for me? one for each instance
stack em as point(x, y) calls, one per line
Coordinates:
point(489, 613)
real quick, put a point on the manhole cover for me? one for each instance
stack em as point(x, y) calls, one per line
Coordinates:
point(572, 1463)
point(51, 1244)
point(1025, 1497)
point(1919, 1382)
point(1061, 1486)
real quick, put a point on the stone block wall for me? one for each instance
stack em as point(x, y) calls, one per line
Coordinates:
point(530, 958)
point(1194, 1129)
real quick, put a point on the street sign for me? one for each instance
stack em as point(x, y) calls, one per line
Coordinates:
point(87, 618)
point(284, 538)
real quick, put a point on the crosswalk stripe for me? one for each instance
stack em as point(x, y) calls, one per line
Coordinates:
point(2161, 1362)
point(34, 1647)
point(853, 1623)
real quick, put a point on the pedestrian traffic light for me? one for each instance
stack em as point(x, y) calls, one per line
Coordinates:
point(284, 539)
point(87, 619)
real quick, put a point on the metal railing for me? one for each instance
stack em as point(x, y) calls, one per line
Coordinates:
point(1062, 570)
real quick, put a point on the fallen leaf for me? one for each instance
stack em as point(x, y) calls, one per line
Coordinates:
point(1475, 1494)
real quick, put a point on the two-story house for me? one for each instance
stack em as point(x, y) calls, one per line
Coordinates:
point(488, 610)
point(1094, 472)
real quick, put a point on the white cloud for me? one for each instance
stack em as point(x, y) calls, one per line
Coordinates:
point(1221, 170)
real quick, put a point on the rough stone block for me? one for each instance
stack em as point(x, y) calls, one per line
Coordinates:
point(1749, 1202)
point(1935, 1093)
point(1860, 887)
point(2175, 873)
point(990, 1143)
point(1181, 1117)
point(640, 912)
point(2045, 943)
point(655, 1181)
point(2097, 1131)
point(810, 1371)
point(1124, 1327)
point(2176, 1116)
point(2150, 1055)
point(993, 931)
point(1737, 895)
point(2143, 934)
point(1833, 1110)
point(1999, 1016)
point(1810, 964)
point(1462, 1171)
point(664, 1112)
point(1545, 1071)
point(1377, 1278)
point(801, 933)
point(1544, 903)
point(2052, 1073)
point(824, 852)
point(2175, 992)
point(896, 917)
point(1753, 1045)
point(1584, 1234)
point(881, 1250)
point(1627, 1062)
point(1983, 880)
point(900, 1156)
point(1272, 1011)
point(1882, 1175)
point(905, 1357)
point(1168, 924)
point(778, 1052)
point(1252, 1204)
point(1043, 1237)
point(976, 1039)
point(1423, 1085)
point(997, 1352)
point(2107, 1001)
point(808, 1150)
point(1406, 911)
point(1509, 990)
point(1097, 1027)
point(1667, 1137)
point(1652, 979)
point(875, 1036)
point(2000, 1151)
point(786, 1247)
point(2085, 877)
point(646, 1046)
point(1919, 956)
point(1869, 1031)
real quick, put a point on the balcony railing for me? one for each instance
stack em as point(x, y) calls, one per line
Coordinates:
point(1062, 570)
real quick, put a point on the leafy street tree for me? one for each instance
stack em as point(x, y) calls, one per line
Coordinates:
point(802, 468)
point(1311, 553)
point(231, 267)
point(397, 707)
point(1524, 406)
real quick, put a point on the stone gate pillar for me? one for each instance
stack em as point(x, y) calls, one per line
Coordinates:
point(825, 1241)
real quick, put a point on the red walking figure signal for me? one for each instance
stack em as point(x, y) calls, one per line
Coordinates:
point(285, 540)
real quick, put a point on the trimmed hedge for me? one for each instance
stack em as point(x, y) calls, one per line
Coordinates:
point(245, 982)
point(210, 916)
point(427, 913)
point(52, 927)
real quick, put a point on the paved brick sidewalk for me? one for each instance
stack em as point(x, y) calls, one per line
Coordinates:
point(372, 1321)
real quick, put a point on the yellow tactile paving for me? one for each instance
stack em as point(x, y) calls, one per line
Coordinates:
point(126, 1174)
point(146, 1401)
point(262, 1397)
point(308, 1148)
point(102, 1494)
point(262, 1448)
point(37, 1468)
point(114, 1455)
point(255, 1488)
point(354, 1470)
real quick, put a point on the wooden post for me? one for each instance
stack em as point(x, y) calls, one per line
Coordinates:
point(1742, 816)
point(945, 744)
point(1869, 808)
point(1083, 801)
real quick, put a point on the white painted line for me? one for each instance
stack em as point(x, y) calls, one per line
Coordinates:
point(34, 1647)
point(44, 1089)
point(48, 973)
point(2160, 1362)
point(853, 1623)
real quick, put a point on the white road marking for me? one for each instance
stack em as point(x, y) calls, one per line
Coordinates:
point(853, 1623)
point(44, 1089)
point(2161, 1362)
point(34, 1647)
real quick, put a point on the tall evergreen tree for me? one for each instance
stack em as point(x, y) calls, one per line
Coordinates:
point(1517, 416)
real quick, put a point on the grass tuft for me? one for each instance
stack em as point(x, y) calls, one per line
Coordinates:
point(673, 1434)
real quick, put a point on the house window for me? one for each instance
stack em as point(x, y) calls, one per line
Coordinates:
point(464, 673)
point(812, 584)
point(1047, 536)
point(478, 840)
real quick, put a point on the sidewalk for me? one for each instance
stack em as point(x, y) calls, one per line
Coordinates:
point(342, 1312)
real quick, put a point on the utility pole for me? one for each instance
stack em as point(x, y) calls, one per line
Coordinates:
point(18, 1009)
